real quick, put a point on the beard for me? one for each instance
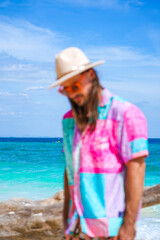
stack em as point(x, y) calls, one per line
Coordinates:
point(87, 113)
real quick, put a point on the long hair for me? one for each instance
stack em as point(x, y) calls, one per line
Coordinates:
point(88, 113)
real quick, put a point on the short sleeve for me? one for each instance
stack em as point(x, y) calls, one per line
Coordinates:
point(133, 135)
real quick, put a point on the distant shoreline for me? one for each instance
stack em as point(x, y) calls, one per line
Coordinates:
point(51, 139)
point(31, 139)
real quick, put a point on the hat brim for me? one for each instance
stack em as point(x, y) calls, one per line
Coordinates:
point(74, 73)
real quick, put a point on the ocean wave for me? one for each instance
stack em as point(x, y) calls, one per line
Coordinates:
point(148, 229)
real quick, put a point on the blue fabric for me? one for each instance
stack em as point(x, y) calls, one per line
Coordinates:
point(103, 111)
point(68, 132)
point(83, 224)
point(92, 188)
point(138, 145)
point(114, 225)
point(120, 99)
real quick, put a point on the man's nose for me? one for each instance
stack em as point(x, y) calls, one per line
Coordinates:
point(72, 95)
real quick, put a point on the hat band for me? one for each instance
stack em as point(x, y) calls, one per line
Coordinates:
point(74, 68)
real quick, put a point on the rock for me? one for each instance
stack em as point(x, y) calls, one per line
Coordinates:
point(23, 219)
point(151, 196)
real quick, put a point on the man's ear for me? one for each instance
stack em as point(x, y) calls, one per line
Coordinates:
point(91, 73)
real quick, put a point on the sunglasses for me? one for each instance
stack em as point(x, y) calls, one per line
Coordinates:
point(76, 87)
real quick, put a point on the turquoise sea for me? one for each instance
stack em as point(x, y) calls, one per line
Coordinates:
point(33, 168)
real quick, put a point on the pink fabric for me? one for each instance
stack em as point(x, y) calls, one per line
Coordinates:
point(77, 195)
point(68, 115)
point(133, 120)
point(99, 152)
point(94, 229)
point(140, 154)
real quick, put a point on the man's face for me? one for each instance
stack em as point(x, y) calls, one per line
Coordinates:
point(81, 96)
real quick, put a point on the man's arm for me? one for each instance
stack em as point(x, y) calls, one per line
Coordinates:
point(66, 200)
point(133, 193)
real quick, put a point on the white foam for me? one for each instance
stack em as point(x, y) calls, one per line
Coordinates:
point(148, 229)
point(153, 212)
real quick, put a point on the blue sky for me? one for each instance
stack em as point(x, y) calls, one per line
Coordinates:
point(124, 33)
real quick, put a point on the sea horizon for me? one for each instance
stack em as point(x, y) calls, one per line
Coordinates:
point(50, 139)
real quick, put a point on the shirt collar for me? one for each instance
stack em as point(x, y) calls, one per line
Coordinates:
point(105, 98)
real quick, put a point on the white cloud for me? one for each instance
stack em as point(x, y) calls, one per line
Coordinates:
point(121, 54)
point(9, 94)
point(12, 113)
point(7, 113)
point(128, 72)
point(34, 88)
point(38, 103)
point(4, 4)
point(136, 3)
point(14, 70)
point(122, 62)
point(17, 67)
point(113, 4)
point(27, 52)
point(27, 41)
point(5, 94)
point(23, 95)
point(131, 87)
point(154, 35)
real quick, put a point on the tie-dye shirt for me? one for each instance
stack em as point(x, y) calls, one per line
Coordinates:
point(95, 164)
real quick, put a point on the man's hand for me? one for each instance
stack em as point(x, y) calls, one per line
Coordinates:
point(126, 232)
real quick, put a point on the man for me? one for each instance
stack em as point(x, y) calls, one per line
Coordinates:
point(105, 146)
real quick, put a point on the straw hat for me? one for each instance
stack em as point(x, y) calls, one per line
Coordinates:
point(71, 62)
